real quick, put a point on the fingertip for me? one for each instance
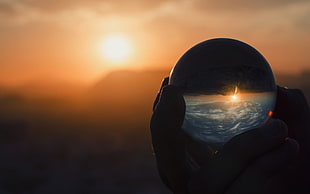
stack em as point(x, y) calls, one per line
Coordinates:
point(293, 146)
point(166, 91)
point(291, 104)
point(289, 95)
point(164, 82)
point(173, 96)
point(282, 89)
point(169, 111)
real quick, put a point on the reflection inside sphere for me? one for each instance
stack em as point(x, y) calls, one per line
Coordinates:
point(215, 119)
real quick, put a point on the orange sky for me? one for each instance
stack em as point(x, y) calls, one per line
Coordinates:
point(49, 39)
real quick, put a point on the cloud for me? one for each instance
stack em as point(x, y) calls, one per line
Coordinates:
point(23, 11)
point(190, 12)
point(244, 5)
point(96, 5)
point(57, 5)
point(302, 20)
point(171, 24)
point(6, 7)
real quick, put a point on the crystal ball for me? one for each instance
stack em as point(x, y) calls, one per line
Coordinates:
point(228, 88)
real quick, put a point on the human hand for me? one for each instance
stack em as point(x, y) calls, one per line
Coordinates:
point(293, 109)
point(246, 164)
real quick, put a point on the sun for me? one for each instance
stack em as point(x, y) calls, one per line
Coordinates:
point(116, 48)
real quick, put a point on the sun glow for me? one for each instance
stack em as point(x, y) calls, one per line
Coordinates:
point(116, 48)
point(234, 97)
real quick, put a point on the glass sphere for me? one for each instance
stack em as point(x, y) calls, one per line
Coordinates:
point(228, 88)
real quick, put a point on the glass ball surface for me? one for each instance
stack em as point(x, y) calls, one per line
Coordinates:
point(228, 88)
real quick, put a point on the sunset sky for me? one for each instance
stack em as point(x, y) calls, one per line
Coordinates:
point(64, 39)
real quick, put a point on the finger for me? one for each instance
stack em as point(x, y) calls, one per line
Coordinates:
point(169, 113)
point(256, 178)
point(292, 108)
point(167, 139)
point(291, 105)
point(224, 168)
point(163, 84)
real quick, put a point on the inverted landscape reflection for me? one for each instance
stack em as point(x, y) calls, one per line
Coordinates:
point(215, 119)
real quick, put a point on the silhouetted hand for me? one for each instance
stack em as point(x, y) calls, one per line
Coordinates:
point(261, 160)
point(293, 109)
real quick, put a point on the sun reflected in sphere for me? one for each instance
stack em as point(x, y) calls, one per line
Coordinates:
point(234, 97)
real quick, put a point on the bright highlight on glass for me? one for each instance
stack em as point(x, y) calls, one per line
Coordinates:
point(217, 118)
point(234, 96)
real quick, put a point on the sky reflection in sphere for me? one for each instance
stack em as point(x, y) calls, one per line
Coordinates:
point(228, 88)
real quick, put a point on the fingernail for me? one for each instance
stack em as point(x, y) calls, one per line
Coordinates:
point(165, 82)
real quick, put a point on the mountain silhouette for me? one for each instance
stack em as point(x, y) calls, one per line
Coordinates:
point(126, 95)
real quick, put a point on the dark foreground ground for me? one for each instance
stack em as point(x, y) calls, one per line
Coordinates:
point(90, 140)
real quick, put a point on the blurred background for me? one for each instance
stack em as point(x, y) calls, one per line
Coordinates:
point(78, 79)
